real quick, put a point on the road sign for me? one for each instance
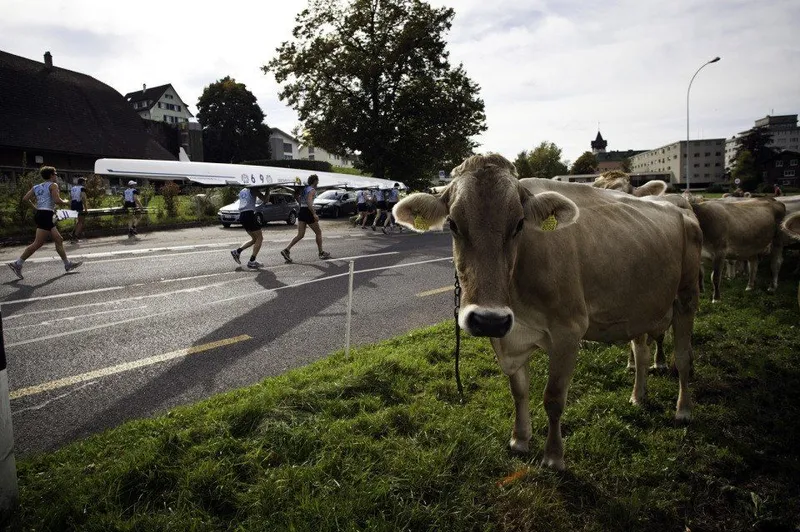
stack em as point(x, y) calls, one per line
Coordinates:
point(442, 175)
point(737, 181)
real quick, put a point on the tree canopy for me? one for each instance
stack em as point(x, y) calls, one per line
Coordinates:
point(373, 77)
point(744, 169)
point(585, 164)
point(233, 123)
point(543, 161)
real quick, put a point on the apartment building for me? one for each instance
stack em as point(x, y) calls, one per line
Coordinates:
point(161, 104)
point(706, 162)
point(784, 131)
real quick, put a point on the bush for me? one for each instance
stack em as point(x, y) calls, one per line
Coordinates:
point(95, 188)
point(170, 191)
point(22, 209)
point(228, 195)
point(204, 205)
point(146, 193)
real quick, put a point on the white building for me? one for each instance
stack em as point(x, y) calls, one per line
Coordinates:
point(706, 162)
point(160, 104)
point(312, 153)
point(784, 131)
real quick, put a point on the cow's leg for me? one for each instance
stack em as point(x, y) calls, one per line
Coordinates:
point(641, 353)
point(682, 322)
point(660, 362)
point(631, 367)
point(776, 261)
point(715, 277)
point(562, 364)
point(751, 281)
point(520, 390)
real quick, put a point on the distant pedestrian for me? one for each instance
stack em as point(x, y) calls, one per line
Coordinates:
point(392, 197)
point(777, 190)
point(47, 197)
point(78, 202)
point(362, 208)
point(130, 196)
point(380, 206)
point(247, 217)
point(307, 217)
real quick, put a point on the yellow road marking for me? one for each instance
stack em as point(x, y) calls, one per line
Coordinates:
point(435, 291)
point(111, 370)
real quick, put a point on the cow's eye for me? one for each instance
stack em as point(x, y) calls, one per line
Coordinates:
point(519, 227)
point(453, 226)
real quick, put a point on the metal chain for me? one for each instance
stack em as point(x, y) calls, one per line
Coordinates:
point(456, 308)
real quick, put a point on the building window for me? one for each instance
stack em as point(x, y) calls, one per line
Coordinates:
point(311, 149)
point(718, 153)
point(708, 153)
point(287, 148)
point(697, 165)
point(793, 162)
point(778, 164)
point(311, 157)
point(159, 105)
point(706, 175)
point(788, 173)
point(697, 154)
point(177, 107)
point(707, 165)
point(716, 164)
point(168, 96)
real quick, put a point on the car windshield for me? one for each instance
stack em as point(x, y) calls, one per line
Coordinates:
point(330, 194)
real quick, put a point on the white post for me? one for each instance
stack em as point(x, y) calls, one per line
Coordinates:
point(687, 117)
point(9, 494)
point(349, 311)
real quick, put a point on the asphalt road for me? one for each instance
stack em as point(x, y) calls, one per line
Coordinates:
point(169, 319)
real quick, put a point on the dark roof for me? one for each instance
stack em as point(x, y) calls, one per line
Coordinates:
point(616, 155)
point(55, 109)
point(153, 93)
point(598, 142)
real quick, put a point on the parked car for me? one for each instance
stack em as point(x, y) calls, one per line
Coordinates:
point(335, 203)
point(281, 207)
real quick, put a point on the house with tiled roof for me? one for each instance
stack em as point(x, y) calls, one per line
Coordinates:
point(53, 116)
point(161, 104)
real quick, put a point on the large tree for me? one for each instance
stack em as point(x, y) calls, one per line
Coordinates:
point(745, 170)
point(373, 77)
point(543, 161)
point(585, 164)
point(233, 123)
point(756, 142)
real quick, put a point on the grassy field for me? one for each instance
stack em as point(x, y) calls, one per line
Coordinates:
point(379, 441)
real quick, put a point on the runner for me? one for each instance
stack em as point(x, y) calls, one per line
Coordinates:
point(47, 197)
point(380, 206)
point(392, 196)
point(307, 217)
point(247, 217)
point(361, 208)
point(131, 197)
point(78, 203)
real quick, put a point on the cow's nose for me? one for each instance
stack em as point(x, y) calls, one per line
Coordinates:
point(489, 324)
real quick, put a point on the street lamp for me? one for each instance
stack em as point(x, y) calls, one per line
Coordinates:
point(687, 118)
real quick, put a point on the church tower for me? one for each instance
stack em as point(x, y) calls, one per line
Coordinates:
point(598, 144)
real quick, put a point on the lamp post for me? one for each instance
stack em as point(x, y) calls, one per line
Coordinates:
point(687, 118)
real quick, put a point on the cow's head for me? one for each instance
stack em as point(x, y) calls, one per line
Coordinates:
point(791, 225)
point(621, 181)
point(487, 211)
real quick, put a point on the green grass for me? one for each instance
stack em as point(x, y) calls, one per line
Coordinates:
point(379, 441)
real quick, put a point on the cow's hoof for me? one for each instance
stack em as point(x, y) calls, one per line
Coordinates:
point(748, 289)
point(518, 446)
point(771, 290)
point(556, 464)
point(659, 367)
point(683, 416)
point(715, 300)
point(638, 401)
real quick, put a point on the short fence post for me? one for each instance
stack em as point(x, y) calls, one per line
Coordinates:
point(349, 311)
point(9, 493)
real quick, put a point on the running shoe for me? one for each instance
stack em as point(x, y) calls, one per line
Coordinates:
point(384, 230)
point(235, 254)
point(254, 264)
point(16, 268)
point(71, 265)
point(286, 256)
point(324, 255)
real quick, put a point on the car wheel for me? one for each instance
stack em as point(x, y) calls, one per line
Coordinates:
point(226, 225)
point(260, 219)
point(336, 212)
point(292, 219)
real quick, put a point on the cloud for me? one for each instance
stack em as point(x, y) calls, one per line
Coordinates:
point(547, 70)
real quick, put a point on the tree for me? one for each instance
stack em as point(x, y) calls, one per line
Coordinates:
point(585, 164)
point(543, 161)
point(373, 78)
point(755, 141)
point(233, 123)
point(744, 169)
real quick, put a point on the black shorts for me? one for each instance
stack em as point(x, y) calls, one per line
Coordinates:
point(362, 207)
point(76, 205)
point(390, 205)
point(249, 221)
point(382, 205)
point(305, 215)
point(44, 220)
point(130, 204)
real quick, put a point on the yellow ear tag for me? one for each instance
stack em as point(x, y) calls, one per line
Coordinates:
point(420, 223)
point(550, 223)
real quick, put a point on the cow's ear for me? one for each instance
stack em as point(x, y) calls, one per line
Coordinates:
point(791, 225)
point(550, 211)
point(651, 188)
point(421, 212)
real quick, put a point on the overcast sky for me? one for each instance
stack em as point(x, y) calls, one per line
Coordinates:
point(548, 70)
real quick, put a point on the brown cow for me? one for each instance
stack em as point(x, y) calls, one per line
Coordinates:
point(616, 180)
point(791, 226)
point(614, 268)
point(741, 230)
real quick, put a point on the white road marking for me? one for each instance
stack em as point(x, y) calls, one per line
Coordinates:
point(133, 251)
point(56, 398)
point(354, 257)
point(73, 318)
point(119, 368)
